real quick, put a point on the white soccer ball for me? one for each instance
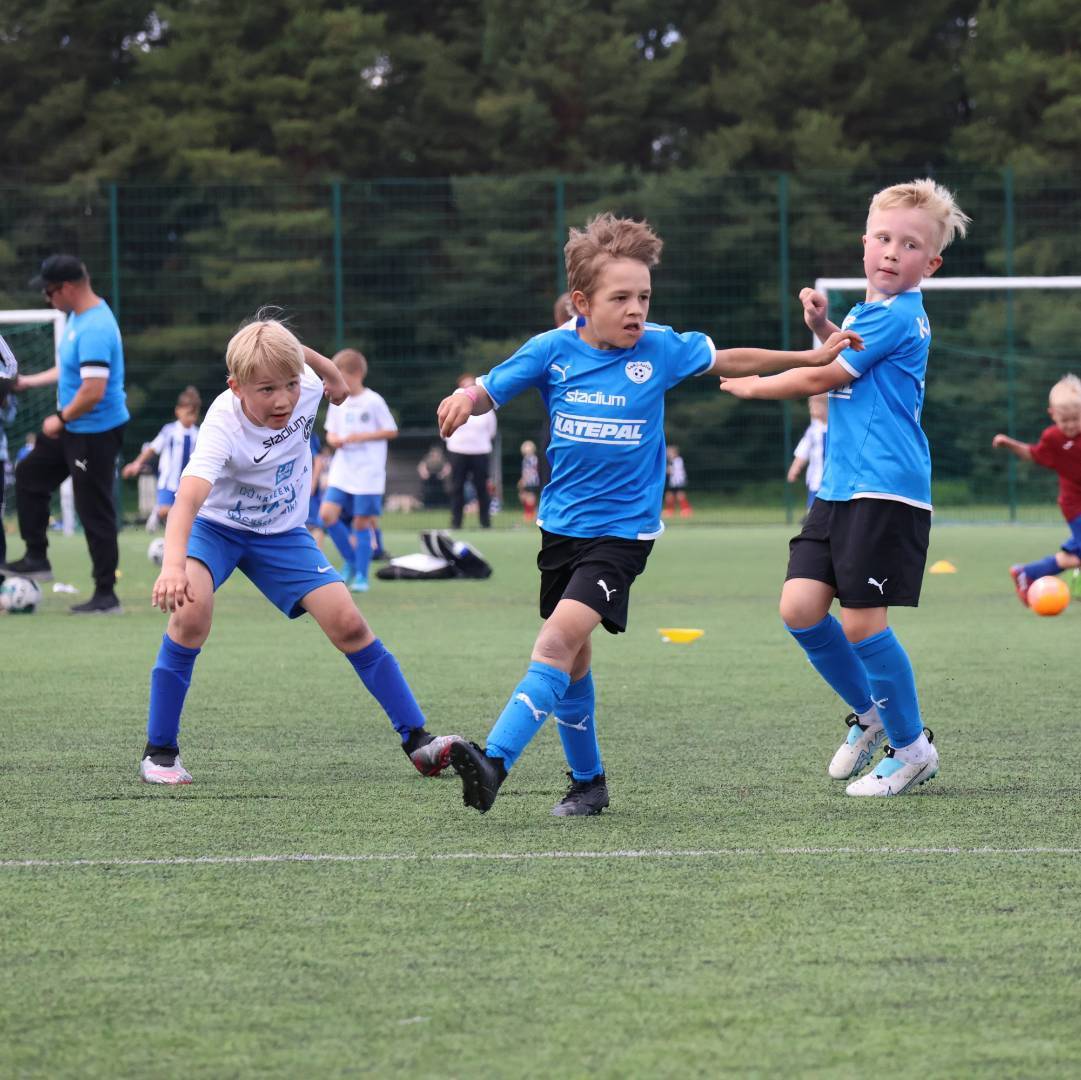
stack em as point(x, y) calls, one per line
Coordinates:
point(19, 595)
point(156, 552)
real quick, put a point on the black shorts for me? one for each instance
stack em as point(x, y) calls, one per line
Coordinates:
point(872, 551)
point(597, 572)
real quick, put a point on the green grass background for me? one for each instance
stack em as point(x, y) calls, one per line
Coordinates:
point(758, 962)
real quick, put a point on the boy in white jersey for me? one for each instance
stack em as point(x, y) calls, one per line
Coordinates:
point(358, 429)
point(603, 377)
point(865, 538)
point(242, 503)
point(810, 452)
point(172, 446)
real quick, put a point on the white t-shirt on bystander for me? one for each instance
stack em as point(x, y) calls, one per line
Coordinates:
point(360, 468)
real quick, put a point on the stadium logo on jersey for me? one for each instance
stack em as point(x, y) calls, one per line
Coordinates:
point(595, 397)
point(592, 429)
point(639, 371)
point(284, 472)
point(296, 425)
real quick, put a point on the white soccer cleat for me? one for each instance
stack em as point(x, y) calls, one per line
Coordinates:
point(855, 753)
point(173, 773)
point(892, 776)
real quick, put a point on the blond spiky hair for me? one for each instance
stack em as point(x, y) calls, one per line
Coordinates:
point(604, 239)
point(265, 348)
point(1066, 391)
point(938, 202)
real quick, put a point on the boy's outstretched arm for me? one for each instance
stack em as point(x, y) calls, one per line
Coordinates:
point(333, 384)
point(458, 407)
point(1004, 442)
point(735, 363)
point(798, 383)
point(173, 589)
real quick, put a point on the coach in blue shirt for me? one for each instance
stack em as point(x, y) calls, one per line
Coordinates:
point(82, 438)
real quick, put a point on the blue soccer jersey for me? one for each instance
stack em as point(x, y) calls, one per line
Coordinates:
point(91, 349)
point(606, 406)
point(876, 447)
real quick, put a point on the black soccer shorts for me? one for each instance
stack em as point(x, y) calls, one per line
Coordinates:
point(872, 551)
point(597, 572)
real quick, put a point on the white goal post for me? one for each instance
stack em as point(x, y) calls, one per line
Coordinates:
point(38, 315)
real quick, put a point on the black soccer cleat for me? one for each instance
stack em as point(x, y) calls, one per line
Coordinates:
point(34, 569)
point(584, 798)
point(481, 775)
point(99, 604)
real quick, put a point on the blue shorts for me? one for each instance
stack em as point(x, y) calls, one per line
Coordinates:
point(166, 497)
point(355, 505)
point(1073, 545)
point(284, 567)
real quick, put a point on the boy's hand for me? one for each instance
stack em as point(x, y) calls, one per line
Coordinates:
point(453, 411)
point(815, 310)
point(172, 590)
point(130, 470)
point(741, 388)
point(334, 389)
point(833, 346)
point(1000, 440)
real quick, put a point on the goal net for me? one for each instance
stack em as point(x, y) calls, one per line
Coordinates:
point(34, 337)
point(998, 345)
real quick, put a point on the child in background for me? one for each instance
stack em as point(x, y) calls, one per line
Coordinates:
point(173, 447)
point(1059, 449)
point(358, 430)
point(675, 484)
point(865, 539)
point(602, 377)
point(529, 484)
point(811, 449)
point(9, 370)
point(320, 461)
point(241, 504)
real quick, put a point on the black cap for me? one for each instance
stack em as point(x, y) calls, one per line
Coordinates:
point(57, 269)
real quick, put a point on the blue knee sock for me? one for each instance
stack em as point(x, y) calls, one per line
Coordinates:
point(339, 533)
point(169, 681)
point(893, 687)
point(383, 679)
point(832, 656)
point(577, 722)
point(377, 547)
point(533, 699)
point(362, 556)
point(1041, 568)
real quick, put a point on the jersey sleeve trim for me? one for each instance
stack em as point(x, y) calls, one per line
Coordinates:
point(496, 403)
point(712, 356)
point(94, 369)
point(854, 372)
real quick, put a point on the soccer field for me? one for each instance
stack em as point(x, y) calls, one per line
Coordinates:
point(311, 906)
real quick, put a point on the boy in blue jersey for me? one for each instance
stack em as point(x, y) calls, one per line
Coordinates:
point(865, 538)
point(241, 504)
point(602, 377)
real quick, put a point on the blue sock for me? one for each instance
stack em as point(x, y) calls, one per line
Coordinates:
point(339, 533)
point(833, 657)
point(1041, 568)
point(362, 556)
point(533, 699)
point(893, 687)
point(377, 548)
point(577, 722)
point(383, 679)
point(170, 678)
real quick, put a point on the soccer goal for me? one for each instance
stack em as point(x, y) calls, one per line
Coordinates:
point(34, 336)
point(998, 344)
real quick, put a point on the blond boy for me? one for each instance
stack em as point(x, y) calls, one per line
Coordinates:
point(603, 377)
point(1059, 449)
point(864, 541)
point(242, 502)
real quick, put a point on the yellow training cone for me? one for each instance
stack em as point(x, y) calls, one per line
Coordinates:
point(679, 635)
point(943, 566)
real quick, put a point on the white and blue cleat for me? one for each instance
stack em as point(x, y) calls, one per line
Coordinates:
point(893, 776)
point(856, 752)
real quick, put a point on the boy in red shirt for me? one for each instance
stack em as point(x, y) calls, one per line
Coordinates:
point(1059, 448)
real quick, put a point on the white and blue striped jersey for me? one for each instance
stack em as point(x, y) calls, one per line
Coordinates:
point(876, 447)
point(173, 445)
point(606, 406)
point(812, 449)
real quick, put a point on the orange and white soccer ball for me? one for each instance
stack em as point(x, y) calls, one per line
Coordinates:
point(1048, 595)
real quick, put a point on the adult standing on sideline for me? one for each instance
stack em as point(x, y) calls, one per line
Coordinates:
point(82, 438)
point(469, 450)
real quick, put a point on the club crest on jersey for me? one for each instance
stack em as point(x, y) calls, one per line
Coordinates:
point(638, 371)
point(308, 425)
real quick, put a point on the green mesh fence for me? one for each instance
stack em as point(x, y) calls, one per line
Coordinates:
point(434, 277)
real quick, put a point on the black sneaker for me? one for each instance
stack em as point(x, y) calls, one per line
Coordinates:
point(481, 775)
point(583, 798)
point(99, 604)
point(34, 569)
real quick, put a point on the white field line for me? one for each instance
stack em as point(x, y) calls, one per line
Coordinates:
point(533, 856)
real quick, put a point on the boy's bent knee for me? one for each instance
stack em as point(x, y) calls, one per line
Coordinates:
point(349, 631)
point(189, 627)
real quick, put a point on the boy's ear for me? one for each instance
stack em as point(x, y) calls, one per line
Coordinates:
point(932, 265)
point(580, 302)
point(233, 385)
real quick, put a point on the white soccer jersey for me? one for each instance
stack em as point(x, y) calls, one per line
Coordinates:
point(812, 449)
point(174, 446)
point(262, 476)
point(360, 468)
